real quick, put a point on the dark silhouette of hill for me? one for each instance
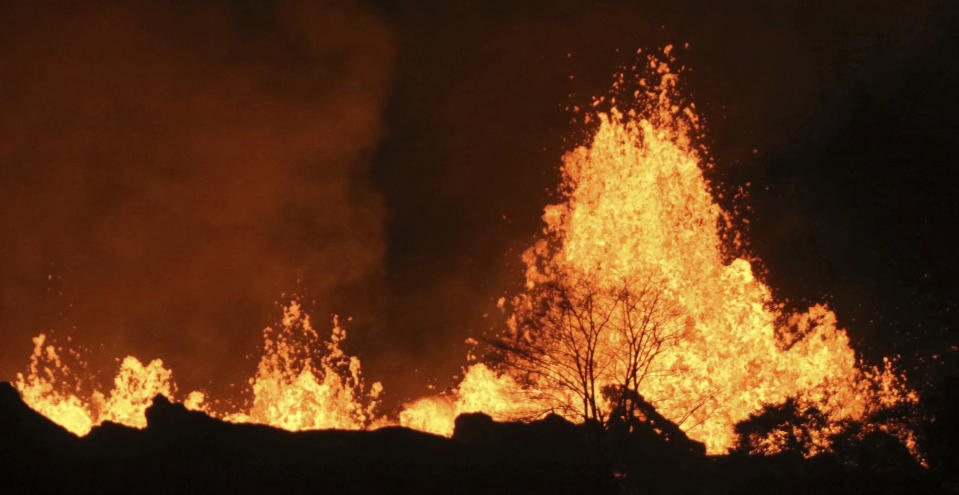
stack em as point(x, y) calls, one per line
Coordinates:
point(183, 451)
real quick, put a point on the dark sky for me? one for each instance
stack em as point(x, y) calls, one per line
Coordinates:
point(176, 168)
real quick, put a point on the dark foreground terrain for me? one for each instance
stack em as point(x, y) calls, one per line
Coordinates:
point(188, 452)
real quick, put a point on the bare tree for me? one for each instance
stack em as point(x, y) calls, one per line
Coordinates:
point(585, 348)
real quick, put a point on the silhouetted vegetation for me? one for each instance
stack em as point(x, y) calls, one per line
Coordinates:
point(187, 452)
point(585, 349)
point(797, 428)
point(785, 427)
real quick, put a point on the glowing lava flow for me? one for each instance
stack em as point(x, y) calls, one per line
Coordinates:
point(302, 382)
point(635, 206)
point(52, 388)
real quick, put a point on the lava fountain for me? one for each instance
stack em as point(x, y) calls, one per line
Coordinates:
point(302, 382)
point(634, 206)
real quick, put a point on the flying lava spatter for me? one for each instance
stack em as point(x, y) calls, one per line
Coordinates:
point(634, 206)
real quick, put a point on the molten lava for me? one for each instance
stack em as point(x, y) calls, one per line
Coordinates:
point(52, 387)
point(302, 382)
point(635, 206)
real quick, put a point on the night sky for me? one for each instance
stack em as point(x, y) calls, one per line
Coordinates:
point(169, 170)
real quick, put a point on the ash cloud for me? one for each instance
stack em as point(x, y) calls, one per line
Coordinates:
point(174, 167)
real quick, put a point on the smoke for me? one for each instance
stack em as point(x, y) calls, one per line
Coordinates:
point(169, 169)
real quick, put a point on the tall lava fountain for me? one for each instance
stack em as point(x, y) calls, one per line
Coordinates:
point(634, 206)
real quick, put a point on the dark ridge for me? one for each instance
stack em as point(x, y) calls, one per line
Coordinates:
point(184, 451)
point(24, 424)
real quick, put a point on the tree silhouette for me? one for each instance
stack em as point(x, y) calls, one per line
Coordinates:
point(584, 348)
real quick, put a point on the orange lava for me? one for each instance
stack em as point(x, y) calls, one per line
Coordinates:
point(302, 382)
point(635, 205)
point(52, 388)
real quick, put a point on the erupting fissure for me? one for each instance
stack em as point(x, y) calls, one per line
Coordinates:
point(634, 206)
point(302, 382)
